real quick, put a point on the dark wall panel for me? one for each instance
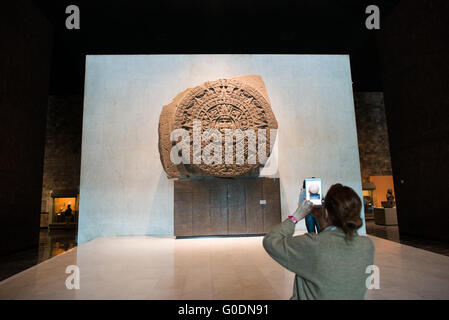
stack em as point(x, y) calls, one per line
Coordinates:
point(24, 77)
point(414, 51)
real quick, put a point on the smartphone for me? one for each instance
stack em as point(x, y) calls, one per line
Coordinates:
point(314, 191)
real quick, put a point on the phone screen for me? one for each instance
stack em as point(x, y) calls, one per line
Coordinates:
point(313, 190)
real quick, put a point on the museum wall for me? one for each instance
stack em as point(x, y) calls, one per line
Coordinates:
point(372, 133)
point(414, 48)
point(24, 78)
point(124, 190)
point(62, 151)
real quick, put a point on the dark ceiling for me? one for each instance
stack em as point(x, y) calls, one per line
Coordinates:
point(213, 26)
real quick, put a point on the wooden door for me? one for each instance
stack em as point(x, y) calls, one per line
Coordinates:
point(226, 206)
point(183, 208)
point(254, 210)
point(236, 207)
point(218, 207)
point(201, 215)
point(272, 208)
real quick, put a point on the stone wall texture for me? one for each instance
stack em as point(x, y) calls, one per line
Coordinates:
point(62, 149)
point(372, 133)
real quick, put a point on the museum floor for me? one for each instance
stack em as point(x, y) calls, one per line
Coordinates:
point(51, 244)
point(209, 268)
point(392, 233)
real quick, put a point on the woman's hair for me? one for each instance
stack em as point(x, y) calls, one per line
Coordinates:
point(344, 206)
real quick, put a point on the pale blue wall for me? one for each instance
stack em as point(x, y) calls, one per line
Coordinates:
point(123, 187)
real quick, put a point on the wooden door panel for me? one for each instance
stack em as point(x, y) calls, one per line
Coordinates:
point(236, 208)
point(183, 216)
point(236, 220)
point(254, 212)
point(222, 206)
point(271, 215)
point(272, 208)
point(183, 196)
point(201, 214)
point(271, 188)
point(182, 186)
point(218, 207)
point(236, 194)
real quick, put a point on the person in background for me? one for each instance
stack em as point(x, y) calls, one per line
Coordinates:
point(68, 211)
point(68, 214)
point(331, 264)
point(311, 222)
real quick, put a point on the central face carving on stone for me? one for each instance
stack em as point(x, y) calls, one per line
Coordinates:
point(221, 105)
point(225, 122)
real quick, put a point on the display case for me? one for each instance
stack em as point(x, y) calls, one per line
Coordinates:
point(368, 199)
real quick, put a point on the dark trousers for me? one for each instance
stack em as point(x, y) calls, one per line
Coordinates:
point(312, 223)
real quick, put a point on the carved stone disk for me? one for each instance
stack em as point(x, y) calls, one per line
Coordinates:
point(221, 104)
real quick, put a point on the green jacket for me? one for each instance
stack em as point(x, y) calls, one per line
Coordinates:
point(327, 266)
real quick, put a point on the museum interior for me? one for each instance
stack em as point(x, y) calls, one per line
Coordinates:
point(90, 182)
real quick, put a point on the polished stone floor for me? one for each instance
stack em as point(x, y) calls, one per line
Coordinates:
point(392, 233)
point(58, 241)
point(50, 245)
point(209, 268)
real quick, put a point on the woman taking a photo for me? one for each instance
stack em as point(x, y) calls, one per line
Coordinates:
point(332, 263)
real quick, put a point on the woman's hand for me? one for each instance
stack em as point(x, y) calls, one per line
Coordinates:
point(303, 210)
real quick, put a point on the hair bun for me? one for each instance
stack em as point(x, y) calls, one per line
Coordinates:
point(354, 224)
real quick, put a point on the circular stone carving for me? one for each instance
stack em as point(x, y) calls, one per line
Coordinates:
point(224, 104)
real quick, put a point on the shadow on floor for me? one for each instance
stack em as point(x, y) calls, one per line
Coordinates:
point(50, 245)
point(392, 233)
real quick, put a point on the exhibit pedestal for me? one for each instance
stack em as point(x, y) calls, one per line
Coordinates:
point(386, 216)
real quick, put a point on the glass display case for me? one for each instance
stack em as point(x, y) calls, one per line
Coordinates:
point(368, 199)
